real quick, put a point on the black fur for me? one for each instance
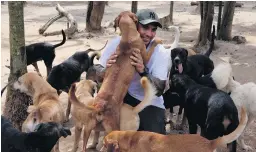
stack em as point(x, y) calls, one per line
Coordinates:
point(42, 140)
point(42, 51)
point(63, 75)
point(206, 107)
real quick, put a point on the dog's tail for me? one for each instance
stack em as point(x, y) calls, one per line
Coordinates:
point(62, 42)
point(149, 91)
point(97, 51)
point(175, 43)
point(209, 51)
point(221, 141)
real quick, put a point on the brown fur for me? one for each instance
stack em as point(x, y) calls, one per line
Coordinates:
point(46, 105)
point(117, 78)
point(83, 111)
point(132, 141)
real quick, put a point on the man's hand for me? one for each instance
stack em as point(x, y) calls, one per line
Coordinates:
point(112, 60)
point(137, 61)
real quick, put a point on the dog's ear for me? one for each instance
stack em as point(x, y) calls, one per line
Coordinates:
point(186, 51)
point(116, 22)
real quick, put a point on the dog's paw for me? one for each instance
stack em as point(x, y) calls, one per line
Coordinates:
point(92, 146)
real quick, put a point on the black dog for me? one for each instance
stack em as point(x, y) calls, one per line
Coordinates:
point(213, 110)
point(194, 66)
point(63, 75)
point(42, 140)
point(42, 51)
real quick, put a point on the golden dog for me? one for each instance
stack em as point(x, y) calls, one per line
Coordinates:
point(46, 105)
point(142, 141)
point(81, 97)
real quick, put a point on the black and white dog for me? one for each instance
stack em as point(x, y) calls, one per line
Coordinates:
point(42, 140)
point(213, 110)
point(42, 51)
point(194, 66)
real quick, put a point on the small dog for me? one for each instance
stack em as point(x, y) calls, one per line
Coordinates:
point(46, 105)
point(81, 97)
point(42, 139)
point(42, 51)
point(63, 75)
point(213, 110)
point(143, 141)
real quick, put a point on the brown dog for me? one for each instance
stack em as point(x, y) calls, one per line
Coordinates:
point(81, 97)
point(46, 105)
point(117, 78)
point(142, 141)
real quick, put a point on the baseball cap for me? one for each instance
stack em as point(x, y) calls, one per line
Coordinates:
point(146, 16)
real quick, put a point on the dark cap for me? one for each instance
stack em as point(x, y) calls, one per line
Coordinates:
point(147, 16)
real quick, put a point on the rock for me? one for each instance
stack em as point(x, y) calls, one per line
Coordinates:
point(239, 39)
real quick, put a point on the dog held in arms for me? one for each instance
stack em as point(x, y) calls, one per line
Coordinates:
point(213, 110)
point(132, 141)
point(46, 105)
point(81, 97)
point(42, 51)
point(116, 82)
point(63, 75)
point(42, 139)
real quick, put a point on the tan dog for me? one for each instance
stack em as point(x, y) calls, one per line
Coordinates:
point(81, 97)
point(46, 105)
point(142, 141)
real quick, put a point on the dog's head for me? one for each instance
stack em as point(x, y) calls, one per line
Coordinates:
point(37, 115)
point(110, 143)
point(180, 82)
point(126, 15)
point(27, 83)
point(46, 135)
point(179, 58)
point(87, 86)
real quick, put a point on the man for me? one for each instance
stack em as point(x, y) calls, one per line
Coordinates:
point(152, 118)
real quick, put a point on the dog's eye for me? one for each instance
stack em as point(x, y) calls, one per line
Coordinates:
point(34, 120)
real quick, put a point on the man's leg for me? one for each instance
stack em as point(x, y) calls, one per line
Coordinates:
point(152, 119)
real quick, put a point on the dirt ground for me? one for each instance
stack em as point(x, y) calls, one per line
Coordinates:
point(36, 14)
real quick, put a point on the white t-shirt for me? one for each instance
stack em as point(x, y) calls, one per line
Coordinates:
point(157, 66)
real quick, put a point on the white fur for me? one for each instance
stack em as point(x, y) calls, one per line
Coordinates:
point(242, 95)
point(221, 74)
point(21, 87)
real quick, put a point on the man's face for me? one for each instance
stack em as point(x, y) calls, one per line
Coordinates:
point(147, 32)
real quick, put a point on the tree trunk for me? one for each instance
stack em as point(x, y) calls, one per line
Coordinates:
point(134, 6)
point(16, 103)
point(171, 12)
point(207, 12)
point(95, 12)
point(227, 20)
point(219, 19)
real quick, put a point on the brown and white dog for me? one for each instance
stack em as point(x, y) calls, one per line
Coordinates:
point(81, 97)
point(46, 105)
point(142, 141)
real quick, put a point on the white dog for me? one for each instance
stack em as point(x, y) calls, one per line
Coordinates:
point(243, 95)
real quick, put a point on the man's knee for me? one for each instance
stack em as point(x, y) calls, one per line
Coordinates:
point(152, 119)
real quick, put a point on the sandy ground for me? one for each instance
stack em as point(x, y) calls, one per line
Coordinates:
point(38, 13)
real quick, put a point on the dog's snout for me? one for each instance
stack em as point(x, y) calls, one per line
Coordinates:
point(177, 60)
